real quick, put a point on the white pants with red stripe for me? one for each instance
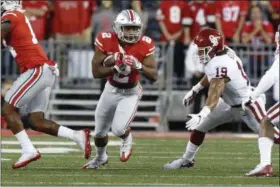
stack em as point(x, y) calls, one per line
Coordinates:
point(223, 113)
point(273, 114)
point(32, 89)
point(116, 109)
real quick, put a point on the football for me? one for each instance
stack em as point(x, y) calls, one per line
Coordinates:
point(109, 61)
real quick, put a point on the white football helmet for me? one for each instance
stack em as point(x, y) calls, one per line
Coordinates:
point(128, 26)
point(10, 5)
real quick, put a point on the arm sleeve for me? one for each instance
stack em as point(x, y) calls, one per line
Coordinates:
point(268, 80)
point(12, 17)
point(149, 47)
point(99, 42)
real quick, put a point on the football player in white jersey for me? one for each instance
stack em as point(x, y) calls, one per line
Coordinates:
point(228, 87)
point(266, 134)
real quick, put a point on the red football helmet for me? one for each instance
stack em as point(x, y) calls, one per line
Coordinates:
point(209, 42)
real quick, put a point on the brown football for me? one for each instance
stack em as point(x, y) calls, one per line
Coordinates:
point(109, 61)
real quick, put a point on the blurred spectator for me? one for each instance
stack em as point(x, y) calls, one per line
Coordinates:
point(194, 71)
point(264, 6)
point(199, 13)
point(230, 17)
point(36, 12)
point(257, 31)
point(274, 10)
point(169, 16)
point(137, 6)
point(72, 19)
point(103, 19)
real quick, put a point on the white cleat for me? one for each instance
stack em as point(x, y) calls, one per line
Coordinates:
point(96, 162)
point(26, 158)
point(261, 170)
point(126, 148)
point(82, 138)
point(179, 163)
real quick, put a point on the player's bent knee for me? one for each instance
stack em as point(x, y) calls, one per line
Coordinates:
point(7, 109)
point(118, 131)
point(36, 120)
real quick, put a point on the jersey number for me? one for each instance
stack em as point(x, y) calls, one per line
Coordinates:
point(106, 35)
point(34, 39)
point(147, 39)
point(221, 72)
point(174, 14)
point(230, 13)
point(120, 78)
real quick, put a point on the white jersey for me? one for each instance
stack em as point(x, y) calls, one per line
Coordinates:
point(229, 65)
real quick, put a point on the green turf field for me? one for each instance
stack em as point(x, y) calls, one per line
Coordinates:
point(219, 162)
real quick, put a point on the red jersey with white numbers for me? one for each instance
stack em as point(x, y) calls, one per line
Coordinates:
point(108, 43)
point(23, 43)
point(198, 14)
point(171, 13)
point(230, 13)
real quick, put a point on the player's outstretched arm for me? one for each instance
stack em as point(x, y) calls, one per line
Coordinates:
point(98, 70)
point(149, 68)
point(216, 89)
point(267, 81)
point(5, 28)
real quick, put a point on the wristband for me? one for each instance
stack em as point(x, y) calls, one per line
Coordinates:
point(197, 87)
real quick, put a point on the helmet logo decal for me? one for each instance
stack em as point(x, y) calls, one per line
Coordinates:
point(214, 40)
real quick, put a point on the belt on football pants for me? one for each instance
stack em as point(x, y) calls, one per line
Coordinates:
point(236, 106)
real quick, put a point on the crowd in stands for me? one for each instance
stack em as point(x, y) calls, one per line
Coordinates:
point(167, 20)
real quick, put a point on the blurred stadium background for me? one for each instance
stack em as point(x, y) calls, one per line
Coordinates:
point(67, 30)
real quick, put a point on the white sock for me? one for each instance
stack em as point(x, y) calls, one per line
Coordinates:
point(265, 147)
point(191, 150)
point(25, 142)
point(65, 132)
point(101, 151)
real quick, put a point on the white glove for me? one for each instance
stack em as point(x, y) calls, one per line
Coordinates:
point(197, 119)
point(189, 97)
point(123, 69)
point(55, 70)
point(133, 62)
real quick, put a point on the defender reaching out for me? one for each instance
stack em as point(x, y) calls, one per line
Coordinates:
point(228, 87)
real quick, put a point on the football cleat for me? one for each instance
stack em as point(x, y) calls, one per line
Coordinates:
point(179, 163)
point(96, 162)
point(26, 158)
point(83, 140)
point(261, 170)
point(126, 148)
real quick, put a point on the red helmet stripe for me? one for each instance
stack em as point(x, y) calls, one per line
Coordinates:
point(131, 15)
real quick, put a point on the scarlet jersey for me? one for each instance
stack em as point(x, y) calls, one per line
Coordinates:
point(258, 39)
point(196, 15)
point(171, 13)
point(230, 12)
point(229, 65)
point(108, 43)
point(23, 43)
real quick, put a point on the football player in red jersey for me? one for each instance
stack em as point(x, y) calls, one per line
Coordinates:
point(132, 55)
point(32, 88)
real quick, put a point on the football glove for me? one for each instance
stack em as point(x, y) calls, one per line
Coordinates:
point(132, 62)
point(197, 119)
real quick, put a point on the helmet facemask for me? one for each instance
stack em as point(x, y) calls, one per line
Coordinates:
point(203, 54)
point(128, 33)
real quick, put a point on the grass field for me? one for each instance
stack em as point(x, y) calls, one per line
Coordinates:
point(219, 162)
